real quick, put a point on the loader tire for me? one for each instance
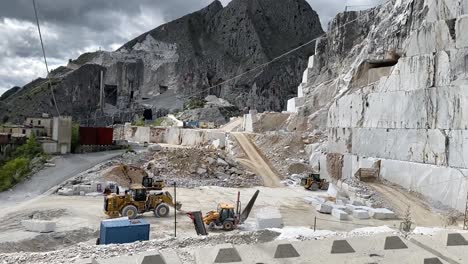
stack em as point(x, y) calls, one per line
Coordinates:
point(228, 225)
point(161, 210)
point(314, 186)
point(130, 211)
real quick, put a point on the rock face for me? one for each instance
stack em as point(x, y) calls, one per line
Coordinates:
point(390, 84)
point(180, 60)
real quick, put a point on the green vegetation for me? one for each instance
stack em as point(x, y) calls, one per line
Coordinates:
point(194, 103)
point(85, 57)
point(18, 166)
point(75, 137)
point(159, 121)
point(139, 122)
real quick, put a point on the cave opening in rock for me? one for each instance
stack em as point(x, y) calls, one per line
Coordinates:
point(110, 92)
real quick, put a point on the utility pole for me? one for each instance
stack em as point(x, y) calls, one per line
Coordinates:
point(101, 92)
point(175, 209)
point(465, 221)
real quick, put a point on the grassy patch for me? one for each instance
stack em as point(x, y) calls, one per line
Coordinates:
point(139, 122)
point(194, 103)
point(18, 167)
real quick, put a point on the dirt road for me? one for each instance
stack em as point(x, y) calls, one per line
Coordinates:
point(421, 213)
point(256, 161)
point(232, 125)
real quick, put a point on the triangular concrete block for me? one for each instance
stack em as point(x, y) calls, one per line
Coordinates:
point(394, 242)
point(227, 255)
point(341, 247)
point(286, 251)
point(456, 239)
point(432, 261)
point(151, 257)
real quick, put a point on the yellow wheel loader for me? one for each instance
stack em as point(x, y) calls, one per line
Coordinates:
point(140, 199)
point(314, 183)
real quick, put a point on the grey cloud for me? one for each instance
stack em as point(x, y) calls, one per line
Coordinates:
point(71, 27)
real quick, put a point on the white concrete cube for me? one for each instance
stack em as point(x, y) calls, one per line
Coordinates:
point(269, 217)
point(339, 214)
point(41, 226)
point(381, 213)
point(357, 203)
point(361, 214)
point(324, 208)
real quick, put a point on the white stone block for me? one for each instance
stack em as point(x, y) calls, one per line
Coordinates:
point(294, 104)
point(381, 213)
point(339, 207)
point(65, 192)
point(361, 214)
point(461, 29)
point(42, 226)
point(310, 65)
point(305, 76)
point(369, 204)
point(339, 214)
point(324, 208)
point(350, 208)
point(300, 90)
point(332, 191)
point(269, 217)
point(357, 203)
point(314, 200)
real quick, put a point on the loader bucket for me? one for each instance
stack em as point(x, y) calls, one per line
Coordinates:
point(248, 208)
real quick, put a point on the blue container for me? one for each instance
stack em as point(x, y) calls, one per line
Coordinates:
point(119, 231)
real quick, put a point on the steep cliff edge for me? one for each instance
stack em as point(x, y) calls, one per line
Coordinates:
point(166, 67)
point(391, 84)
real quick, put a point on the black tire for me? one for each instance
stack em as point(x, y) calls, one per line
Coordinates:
point(325, 186)
point(130, 211)
point(98, 241)
point(162, 210)
point(228, 225)
point(314, 186)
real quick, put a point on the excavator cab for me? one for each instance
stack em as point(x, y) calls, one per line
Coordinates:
point(226, 212)
point(149, 182)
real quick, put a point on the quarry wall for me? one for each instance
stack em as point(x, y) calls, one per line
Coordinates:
point(412, 116)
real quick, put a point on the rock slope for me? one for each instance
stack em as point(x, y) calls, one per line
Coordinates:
point(167, 66)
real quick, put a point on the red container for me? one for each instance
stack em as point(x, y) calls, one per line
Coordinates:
point(96, 135)
point(105, 135)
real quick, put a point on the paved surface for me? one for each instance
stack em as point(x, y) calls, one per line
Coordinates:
point(256, 161)
point(66, 167)
point(373, 249)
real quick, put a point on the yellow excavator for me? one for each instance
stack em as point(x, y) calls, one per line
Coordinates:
point(226, 217)
point(139, 199)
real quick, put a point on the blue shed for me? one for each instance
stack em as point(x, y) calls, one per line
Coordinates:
point(119, 231)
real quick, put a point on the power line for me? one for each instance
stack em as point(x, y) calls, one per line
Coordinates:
point(45, 58)
point(273, 60)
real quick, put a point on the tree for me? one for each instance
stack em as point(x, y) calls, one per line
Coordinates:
point(29, 150)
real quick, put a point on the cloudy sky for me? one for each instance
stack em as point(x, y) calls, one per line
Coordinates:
point(71, 27)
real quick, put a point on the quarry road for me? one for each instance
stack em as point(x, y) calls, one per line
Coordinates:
point(256, 161)
point(65, 167)
point(421, 213)
point(232, 125)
